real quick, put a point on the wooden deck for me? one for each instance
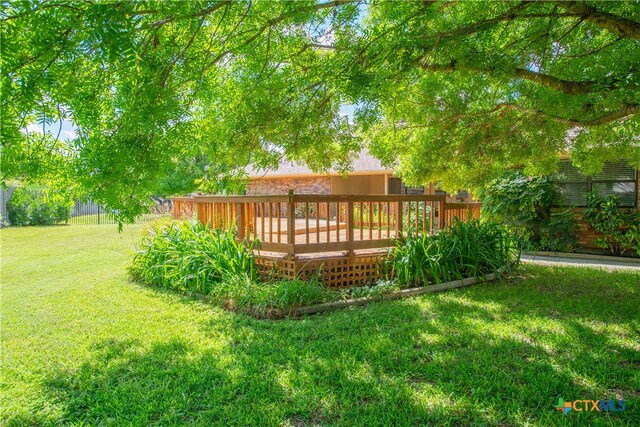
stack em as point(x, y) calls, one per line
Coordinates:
point(345, 236)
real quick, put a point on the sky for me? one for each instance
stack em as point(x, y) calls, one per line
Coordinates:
point(67, 133)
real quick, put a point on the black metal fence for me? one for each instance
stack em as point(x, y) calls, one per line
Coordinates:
point(89, 213)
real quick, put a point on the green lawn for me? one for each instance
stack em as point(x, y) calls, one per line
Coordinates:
point(82, 345)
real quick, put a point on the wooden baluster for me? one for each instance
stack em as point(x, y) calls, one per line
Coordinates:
point(306, 215)
point(388, 207)
point(212, 220)
point(417, 217)
point(317, 222)
point(249, 207)
point(361, 226)
point(328, 223)
point(399, 214)
point(262, 214)
point(279, 217)
point(241, 216)
point(337, 221)
point(370, 220)
point(291, 221)
point(254, 225)
point(379, 220)
point(270, 222)
point(350, 226)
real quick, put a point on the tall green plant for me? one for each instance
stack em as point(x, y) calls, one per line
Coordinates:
point(189, 256)
point(621, 229)
point(465, 249)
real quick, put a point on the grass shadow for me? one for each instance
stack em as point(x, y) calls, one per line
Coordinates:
point(495, 354)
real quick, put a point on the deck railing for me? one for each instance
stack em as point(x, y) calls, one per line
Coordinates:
point(301, 224)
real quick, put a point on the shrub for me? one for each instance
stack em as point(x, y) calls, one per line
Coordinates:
point(524, 204)
point(188, 256)
point(38, 206)
point(621, 229)
point(465, 249)
point(559, 234)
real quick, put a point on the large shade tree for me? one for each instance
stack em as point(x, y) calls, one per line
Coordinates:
point(443, 90)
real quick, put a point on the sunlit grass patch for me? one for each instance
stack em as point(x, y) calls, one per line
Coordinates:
point(83, 345)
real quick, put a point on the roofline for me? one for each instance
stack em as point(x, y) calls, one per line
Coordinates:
point(315, 175)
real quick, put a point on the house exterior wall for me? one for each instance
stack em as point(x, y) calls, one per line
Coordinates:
point(302, 185)
point(585, 233)
point(358, 184)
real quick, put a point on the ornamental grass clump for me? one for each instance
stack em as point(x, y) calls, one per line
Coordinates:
point(465, 249)
point(188, 256)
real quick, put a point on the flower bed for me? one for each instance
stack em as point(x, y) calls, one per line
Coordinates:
point(189, 258)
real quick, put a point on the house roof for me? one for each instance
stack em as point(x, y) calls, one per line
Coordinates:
point(365, 163)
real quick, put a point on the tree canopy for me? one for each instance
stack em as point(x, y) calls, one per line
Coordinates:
point(456, 92)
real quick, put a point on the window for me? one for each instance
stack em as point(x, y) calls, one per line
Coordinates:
point(615, 178)
point(411, 190)
point(396, 186)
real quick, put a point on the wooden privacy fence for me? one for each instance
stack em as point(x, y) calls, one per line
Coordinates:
point(296, 224)
point(462, 211)
point(183, 207)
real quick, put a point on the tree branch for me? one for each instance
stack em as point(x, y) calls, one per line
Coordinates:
point(568, 87)
point(629, 110)
point(204, 12)
point(623, 27)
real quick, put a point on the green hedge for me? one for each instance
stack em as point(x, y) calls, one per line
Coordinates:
point(38, 206)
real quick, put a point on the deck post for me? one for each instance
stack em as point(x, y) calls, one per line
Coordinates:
point(198, 208)
point(442, 221)
point(399, 219)
point(291, 222)
point(241, 220)
point(350, 225)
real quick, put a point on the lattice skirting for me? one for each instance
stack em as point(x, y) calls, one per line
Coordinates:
point(335, 272)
